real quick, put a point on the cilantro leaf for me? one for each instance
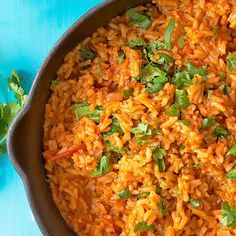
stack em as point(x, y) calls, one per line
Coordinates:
point(143, 21)
point(208, 122)
point(194, 203)
point(111, 148)
point(181, 99)
point(222, 75)
point(9, 110)
point(83, 109)
point(162, 208)
point(168, 34)
point(142, 133)
point(158, 190)
point(185, 122)
point(228, 215)
point(197, 164)
point(128, 93)
point(231, 61)
point(87, 54)
point(144, 194)
point(154, 77)
point(226, 89)
point(152, 46)
point(120, 57)
point(231, 174)
point(137, 44)
point(173, 110)
point(232, 151)
point(182, 79)
point(220, 132)
point(158, 156)
point(142, 128)
point(103, 166)
point(14, 86)
point(143, 227)
point(124, 194)
point(181, 41)
point(115, 128)
point(193, 70)
point(165, 61)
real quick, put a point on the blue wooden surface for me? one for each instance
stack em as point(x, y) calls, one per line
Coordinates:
point(28, 30)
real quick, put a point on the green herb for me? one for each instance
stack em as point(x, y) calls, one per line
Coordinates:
point(9, 110)
point(143, 139)
point(222, 75)
point(142, 128)
point(193, 70)
point(209, 92)
point(232, 151)
point(231, 61)
point(115, 128)
point(173, 110)
point(220, 132)
point(158, 190)
point(87, 54)
point(124, 194)
point(231, 174)
point(197, 164)
point(54, 83)
point(152, 46)
point(111, 148)
point(226, 89)
point(181, 99)
point(208, 122)
point(156, 131)
point(142, 133)
point(137, 44)
point(168, 34)
point(83, 109)
point(103, 166)
point(143, 21)
point(185, 122)
point(162, 208)
point(158, 156)
point(144, 194)
point(128, 93)
point(165, 60)
point(182, 79)
point(194, 203)
point(120, 57)
point(181, 41)
point(228, 215)
point(143, 227)
point(154, 77)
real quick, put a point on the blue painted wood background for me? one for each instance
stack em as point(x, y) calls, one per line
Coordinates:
point(28, 30)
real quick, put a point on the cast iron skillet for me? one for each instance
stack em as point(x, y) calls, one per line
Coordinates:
point(26, 133)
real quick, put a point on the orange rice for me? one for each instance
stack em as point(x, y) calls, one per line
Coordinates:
point(196, 160)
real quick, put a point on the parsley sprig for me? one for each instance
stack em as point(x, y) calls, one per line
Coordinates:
point(9, 110)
